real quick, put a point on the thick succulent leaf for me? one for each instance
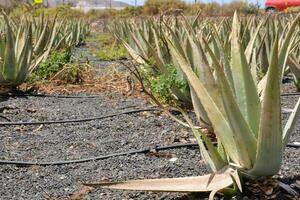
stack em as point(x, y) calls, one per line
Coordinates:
point(20, 41)
point(9, 62)
point(251, 44)
point(41, 44)
point(139, 45)
point(201, 67)
point(219, 121)
point(54, 32)
point(157, 45)
point(286, 43)
point(224, 55)
point(289, 127)
point(244, 85)
point(199, 110)
point(208, 151)
point(134, 55)
point(243, 135)
point(24, 59)
point(269, 144)
point(294, 65)
point(206, 183)
point(159, 62)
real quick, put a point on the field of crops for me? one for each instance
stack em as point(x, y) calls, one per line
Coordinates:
point(204, 107)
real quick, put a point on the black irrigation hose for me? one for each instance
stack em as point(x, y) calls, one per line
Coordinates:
point(78, 120)
point(80, 97)
point(146, 150)
point(47, 95)
point(290, 94)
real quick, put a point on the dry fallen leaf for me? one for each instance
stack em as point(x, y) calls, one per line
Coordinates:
point(166, 155)
point(30, 110)
point(269, 191)
point(207, 183)
point(80, 195)
point(104, 178)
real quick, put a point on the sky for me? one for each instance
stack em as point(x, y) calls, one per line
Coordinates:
point(140, 2)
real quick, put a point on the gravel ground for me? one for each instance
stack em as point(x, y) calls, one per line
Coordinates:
point(89, 139)
point(100, 137)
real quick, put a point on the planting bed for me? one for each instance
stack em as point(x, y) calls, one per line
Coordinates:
point(89, 139)
point(101, 137)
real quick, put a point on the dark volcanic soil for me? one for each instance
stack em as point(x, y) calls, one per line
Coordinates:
point(89, 139)
point(95, 138)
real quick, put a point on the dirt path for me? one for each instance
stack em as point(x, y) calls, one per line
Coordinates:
point(94, 138)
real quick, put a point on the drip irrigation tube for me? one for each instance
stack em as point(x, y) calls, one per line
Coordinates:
point(290, 94)
point(78, 120)
point(66, 162)
point(64, 121)
point(146, 150)
point(47, 95)
point(80, 97)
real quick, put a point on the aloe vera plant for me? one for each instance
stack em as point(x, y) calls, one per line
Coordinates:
point(249, 129)
point(16, 55)
point(245, 113)
point(148, 47)
point(76, 32)
point(26, 42)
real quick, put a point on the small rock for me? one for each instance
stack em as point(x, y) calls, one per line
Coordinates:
point(173, 159)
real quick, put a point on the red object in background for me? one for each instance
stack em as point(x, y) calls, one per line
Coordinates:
point(280, 5)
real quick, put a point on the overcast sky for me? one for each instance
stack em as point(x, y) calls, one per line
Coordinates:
point(140, 2)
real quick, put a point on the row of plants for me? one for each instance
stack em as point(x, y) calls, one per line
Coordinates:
point(231, 72)
point(27, 41)
point(146, 42)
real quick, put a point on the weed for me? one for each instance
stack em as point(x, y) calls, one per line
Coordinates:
point(72, 73)
point(162, 84)
point(109, 48)
point(52, 65)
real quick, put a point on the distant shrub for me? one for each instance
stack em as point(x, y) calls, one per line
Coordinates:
point(193, 9)
point(250, 9)
point(154, 7)
point(150, 8)
point(64, 11)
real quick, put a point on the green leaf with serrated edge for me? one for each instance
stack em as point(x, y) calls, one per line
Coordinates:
point(269, 144)
point(139, 46)
point(201, 68)
point(24, 60)
point(288, 129)
point(42, 41)
point(9, 60)
point(286, 45)
point(224, 57)
point(243, 135)
point(156, 41)
point(219, 121)
point(134, 55)
point(199, 110)
point(210, 155)
point(245, 88)
point(159, 63)
point(251, 44)
point(294, 67)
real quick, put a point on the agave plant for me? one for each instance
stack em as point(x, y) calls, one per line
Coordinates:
point(246, 122)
